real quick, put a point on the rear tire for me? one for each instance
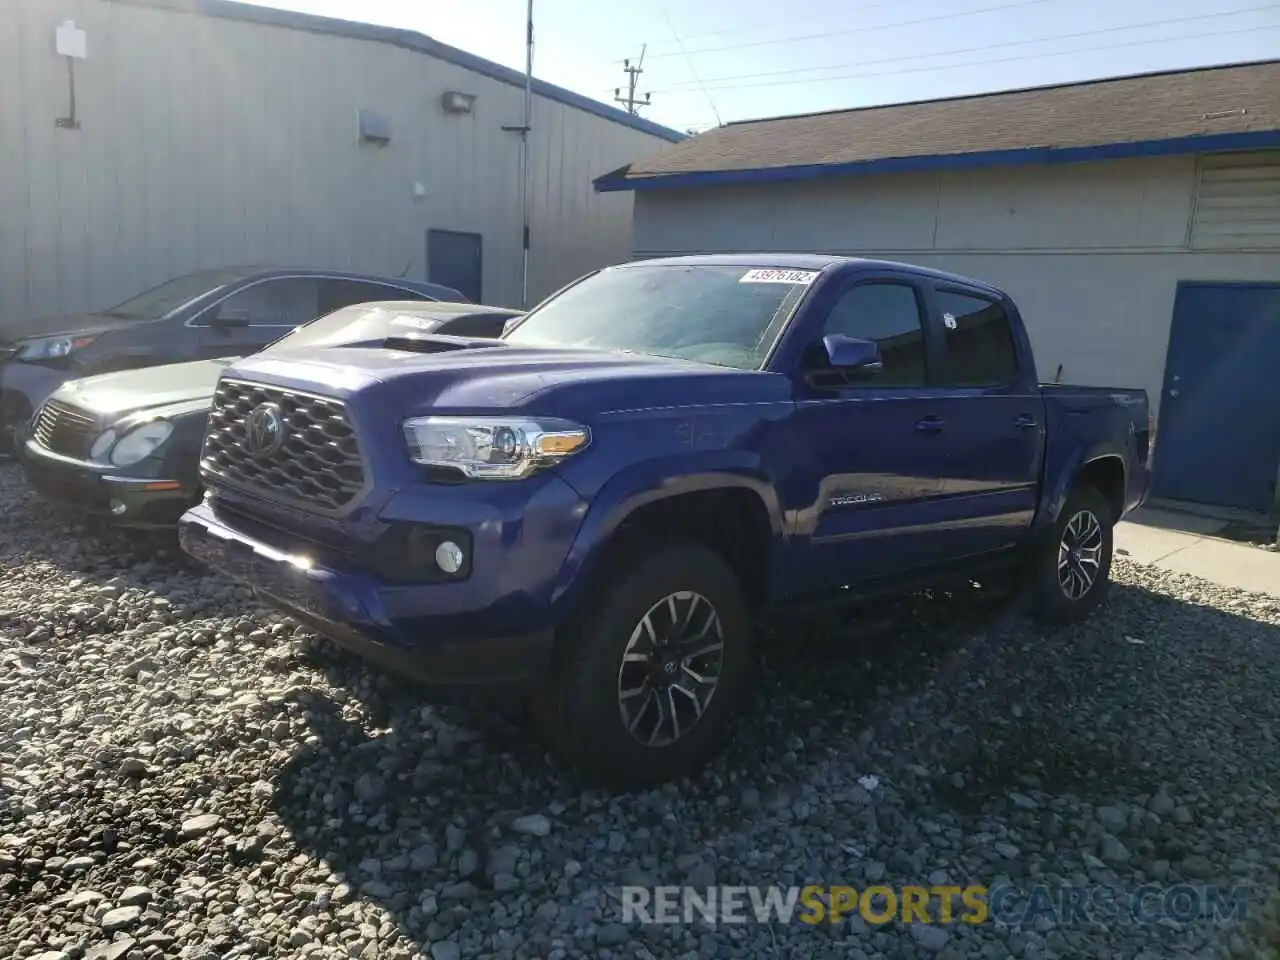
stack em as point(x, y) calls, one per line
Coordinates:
point(1072, 570)
point(643, 689)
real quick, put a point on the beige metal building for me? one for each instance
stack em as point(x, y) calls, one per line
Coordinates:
point(141, 139)
point(1136, 221)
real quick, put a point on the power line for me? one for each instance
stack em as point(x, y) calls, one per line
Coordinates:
point(662, 7)
point(980, 49)
point(790, 21)
point(858, 30)
point(983, 63)
point(633, 76)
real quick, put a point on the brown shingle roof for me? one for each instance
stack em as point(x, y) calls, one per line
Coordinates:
point(1209, 102)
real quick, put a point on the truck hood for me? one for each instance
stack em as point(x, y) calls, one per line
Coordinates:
point(170, 385)
point(473, 376)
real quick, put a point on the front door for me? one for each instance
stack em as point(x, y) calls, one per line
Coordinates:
point(252, 317)
point(1218, 437)
point(456, 260)
point(872, 450)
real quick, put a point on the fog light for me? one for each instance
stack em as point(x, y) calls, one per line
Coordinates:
point(117, 508)
point(449, 557)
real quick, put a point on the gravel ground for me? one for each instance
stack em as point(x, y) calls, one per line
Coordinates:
point(185, 774)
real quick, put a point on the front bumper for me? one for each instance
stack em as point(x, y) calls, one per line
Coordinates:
point(128, 501)
point(372, 618)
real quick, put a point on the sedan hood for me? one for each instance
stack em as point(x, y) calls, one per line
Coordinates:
point(465, 376)
point(13, 331)
point(111, 394)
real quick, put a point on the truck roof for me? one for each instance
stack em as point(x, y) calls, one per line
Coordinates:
point(816, 261)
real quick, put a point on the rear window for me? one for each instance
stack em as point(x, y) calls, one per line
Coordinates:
point(724, 315)
point(979, 337)
point(356, 324)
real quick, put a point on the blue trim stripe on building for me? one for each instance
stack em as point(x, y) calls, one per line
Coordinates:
point(409, 40)
point(618, 180)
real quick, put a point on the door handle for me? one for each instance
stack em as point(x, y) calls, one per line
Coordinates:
point(930, 424)
point(1026, 421)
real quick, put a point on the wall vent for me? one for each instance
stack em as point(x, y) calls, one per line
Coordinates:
point(1237, 202)
point(374, 127)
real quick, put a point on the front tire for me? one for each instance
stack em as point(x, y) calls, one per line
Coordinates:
point(1073, 569)
point(643, 689)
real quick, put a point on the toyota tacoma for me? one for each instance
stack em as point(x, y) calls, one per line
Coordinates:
point(599, 507)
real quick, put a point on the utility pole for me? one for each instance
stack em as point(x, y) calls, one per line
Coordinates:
point(524, 150)
point(523, 129)
point(633, 77)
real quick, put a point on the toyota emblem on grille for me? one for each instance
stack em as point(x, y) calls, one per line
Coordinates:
point(264, 430)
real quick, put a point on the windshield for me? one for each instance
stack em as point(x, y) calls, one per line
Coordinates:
point(355, 324)
point(726, 315)
point(160, 301)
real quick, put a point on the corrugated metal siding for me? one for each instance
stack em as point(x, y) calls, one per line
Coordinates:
point(1238, 202)
point(207, 142)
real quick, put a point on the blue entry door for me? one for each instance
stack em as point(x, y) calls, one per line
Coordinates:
point(456, 260)
point(1218, 438)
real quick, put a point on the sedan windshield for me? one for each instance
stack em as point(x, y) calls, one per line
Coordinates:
point(159, 302)
point(726, 315)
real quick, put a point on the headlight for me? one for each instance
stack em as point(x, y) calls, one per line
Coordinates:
point(102, 446)
point(48, 348)
point(140, 442)
point(492, 448)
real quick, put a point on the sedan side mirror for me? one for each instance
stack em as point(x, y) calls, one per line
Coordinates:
point(838, 360)
point(228, 319)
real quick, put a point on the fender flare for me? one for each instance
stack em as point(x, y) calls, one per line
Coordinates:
point(653, 481)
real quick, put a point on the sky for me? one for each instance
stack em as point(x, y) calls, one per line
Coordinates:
point(715, 61)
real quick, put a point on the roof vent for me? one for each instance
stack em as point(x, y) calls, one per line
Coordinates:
point(1223, 114)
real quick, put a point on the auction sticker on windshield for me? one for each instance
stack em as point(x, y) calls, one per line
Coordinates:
point(801, 277)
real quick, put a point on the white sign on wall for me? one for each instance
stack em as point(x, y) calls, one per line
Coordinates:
point(71, 41)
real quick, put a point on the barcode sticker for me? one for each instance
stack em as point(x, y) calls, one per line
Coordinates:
point(801, 277)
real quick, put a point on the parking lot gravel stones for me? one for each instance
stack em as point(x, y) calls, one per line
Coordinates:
point(184, 773)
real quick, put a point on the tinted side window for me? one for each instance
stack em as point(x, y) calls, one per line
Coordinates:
point(889, 314)
point(271, 303)
point(980, 350)
point(335, 294)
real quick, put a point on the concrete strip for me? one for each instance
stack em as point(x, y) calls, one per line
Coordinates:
point(1151, 544)
point(1230, 564)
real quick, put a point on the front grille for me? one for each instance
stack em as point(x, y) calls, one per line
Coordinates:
point(63, 429)
point(318, 463)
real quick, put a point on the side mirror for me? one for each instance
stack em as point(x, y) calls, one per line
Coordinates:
point(506, 327)
point(227, 319)
point(838, 360)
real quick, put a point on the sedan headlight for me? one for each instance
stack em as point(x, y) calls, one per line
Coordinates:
point(102, 446)
point(49, 348)
point(492, 448)
point(139, 443)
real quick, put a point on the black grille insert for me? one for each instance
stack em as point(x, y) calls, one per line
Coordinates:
point(317, 463)
point(63, 429)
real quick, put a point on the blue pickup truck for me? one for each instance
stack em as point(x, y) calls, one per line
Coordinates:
point(597, 508)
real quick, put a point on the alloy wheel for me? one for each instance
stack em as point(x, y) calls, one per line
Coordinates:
point(1080, 554)
point(670, 668)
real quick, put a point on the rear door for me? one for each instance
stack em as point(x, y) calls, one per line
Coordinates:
point(994, 423)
